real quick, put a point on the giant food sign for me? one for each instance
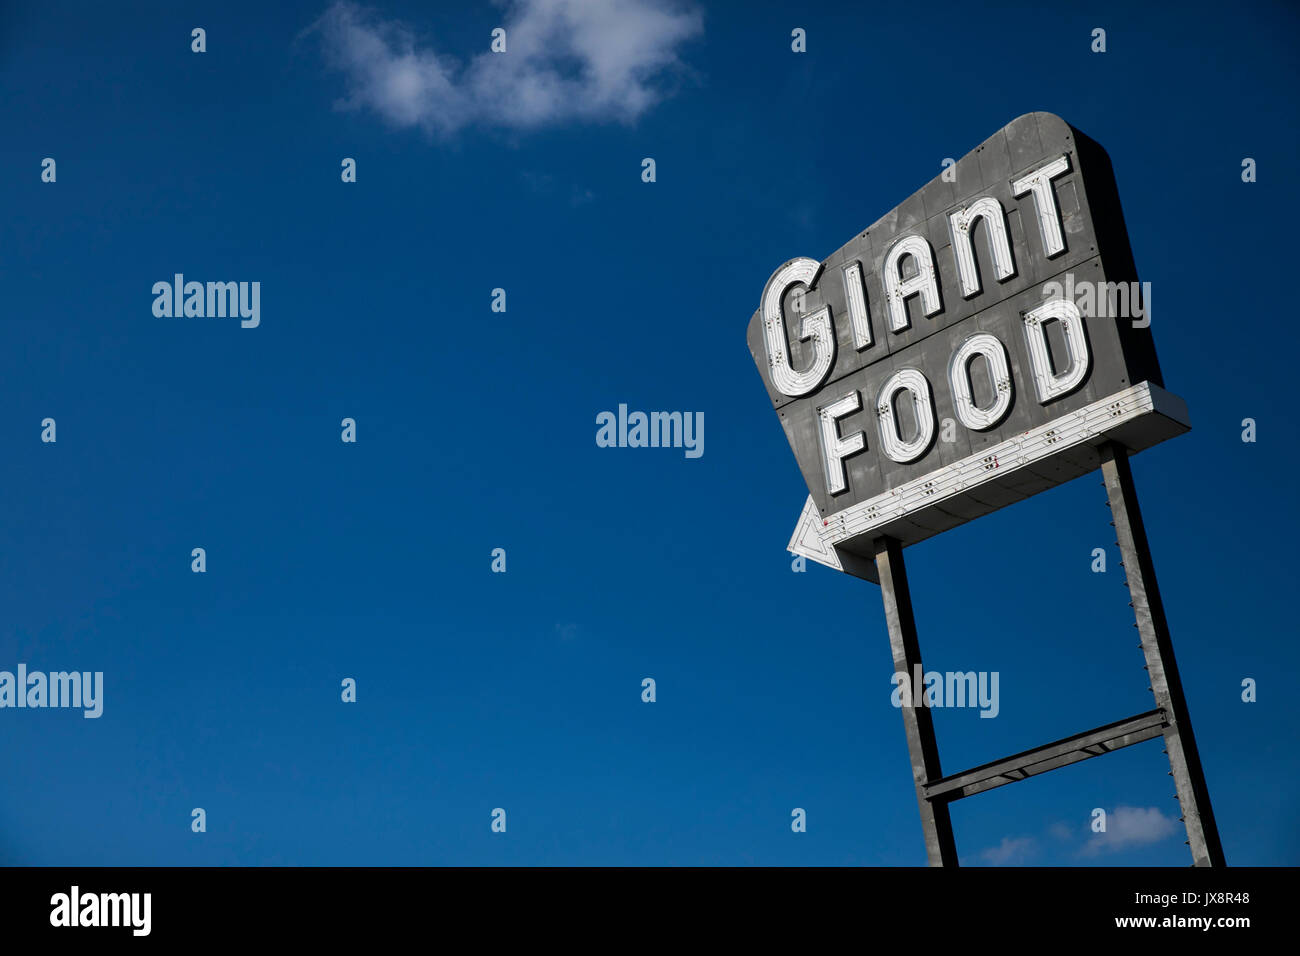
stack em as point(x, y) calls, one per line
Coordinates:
point(963, 352)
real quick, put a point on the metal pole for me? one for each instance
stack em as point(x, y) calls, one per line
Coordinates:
point(1180, 743)
point(940, 846)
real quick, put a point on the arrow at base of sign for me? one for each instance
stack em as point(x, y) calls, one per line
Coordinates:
point(807, 542)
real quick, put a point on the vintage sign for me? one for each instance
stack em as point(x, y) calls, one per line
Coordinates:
point(964, 352)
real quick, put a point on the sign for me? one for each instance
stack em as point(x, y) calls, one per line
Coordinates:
point(964, 352)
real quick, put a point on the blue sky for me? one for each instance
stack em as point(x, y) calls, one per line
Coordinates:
point(476, 431)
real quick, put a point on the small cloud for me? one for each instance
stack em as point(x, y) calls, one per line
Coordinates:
point(565, 60)
point(1010, 852)
point(566, 632)
point(1129, 827)
point(1060, 831)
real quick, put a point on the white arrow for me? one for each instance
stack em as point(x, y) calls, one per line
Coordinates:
point(807, 542)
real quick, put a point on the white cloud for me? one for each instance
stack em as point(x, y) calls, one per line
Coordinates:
point(566, 60)
point(1011, 851)
point(1129, 827)
point(1060, 831)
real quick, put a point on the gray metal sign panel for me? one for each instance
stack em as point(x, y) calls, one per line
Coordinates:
point(919, 370)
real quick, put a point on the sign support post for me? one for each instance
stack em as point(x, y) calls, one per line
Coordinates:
point(940, 845)
point(1162, 668)
point(1169, 720)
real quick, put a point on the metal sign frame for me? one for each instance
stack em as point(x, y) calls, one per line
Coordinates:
point(1170, 718)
